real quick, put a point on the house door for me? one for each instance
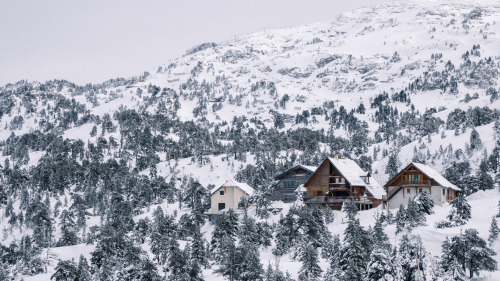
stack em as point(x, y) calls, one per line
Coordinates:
point(222, 206)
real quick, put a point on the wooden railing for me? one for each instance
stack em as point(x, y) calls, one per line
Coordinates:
point(415, 183)
point(336, 199)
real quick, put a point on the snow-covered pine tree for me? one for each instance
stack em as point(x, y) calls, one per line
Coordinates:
point(400, 219)
point(411, 255)
point(393, 163)
point(250, 267)
point(454, 272)
point(310, 270)
point(475, 140)
point(425, 202)
point(414, 214)
point(379, 239)
point(328, 215)
point(460, 212)
point(355, 252)
point(380, 267)
point(350, 208)
point(225, 226)
point(470, 251)
point(494, 231)
point(83, 270)
point(334, 271)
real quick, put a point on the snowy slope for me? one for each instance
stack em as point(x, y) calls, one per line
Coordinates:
point(348, 61)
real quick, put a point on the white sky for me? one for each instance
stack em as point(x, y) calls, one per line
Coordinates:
point(94, 40)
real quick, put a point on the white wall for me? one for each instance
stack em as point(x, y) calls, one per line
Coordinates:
point(398, 199)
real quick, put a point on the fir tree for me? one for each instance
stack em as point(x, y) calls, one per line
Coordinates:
point(475, 140)
point(425, 202)
point(454, 272)
point(494, 231)
point(410, 256)
point(470, 251)
point(393, 164)
point(83, 270)
point(310, 269)
point(400, 219)
point(350, 208)
point(380, 267)
point(355, 251)
point(460, 212)
point(379, 239)
point(64, 271)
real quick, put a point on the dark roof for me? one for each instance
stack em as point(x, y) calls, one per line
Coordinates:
point(308, 168)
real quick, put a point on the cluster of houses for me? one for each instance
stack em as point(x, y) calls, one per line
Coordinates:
point(337, 180)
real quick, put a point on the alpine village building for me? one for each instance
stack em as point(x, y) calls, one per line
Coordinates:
point(226, 197)
point(337, 180)
point(289, 180)
point(415, 179)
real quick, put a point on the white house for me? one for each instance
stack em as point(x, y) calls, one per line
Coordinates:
point(415, 179)
point(227, 196)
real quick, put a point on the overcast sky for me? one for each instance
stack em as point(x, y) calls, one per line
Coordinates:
point(95, 40)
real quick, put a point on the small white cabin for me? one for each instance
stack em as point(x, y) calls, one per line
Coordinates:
point(227, 196)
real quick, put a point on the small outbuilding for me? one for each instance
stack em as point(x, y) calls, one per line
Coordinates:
point(227, 196)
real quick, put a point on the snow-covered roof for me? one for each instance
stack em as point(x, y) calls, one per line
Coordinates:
point(375, 188)
point(241, 185)
point(350, 170)
point(433, 174)
point(309, 168)
point(353, 173)
point(382, 179)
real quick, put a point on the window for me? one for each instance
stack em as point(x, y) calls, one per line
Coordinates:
point(221, 192)
point(420, 190)
point(222, 206)
point(407, 190)
point(443, 191)
point(320, 193)
point(342, 180)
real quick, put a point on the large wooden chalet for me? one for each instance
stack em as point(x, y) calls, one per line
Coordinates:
point(289, 180)
point(415, 179)
point(337, 180)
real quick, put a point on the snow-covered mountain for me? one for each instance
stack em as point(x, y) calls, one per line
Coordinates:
point(412, 79)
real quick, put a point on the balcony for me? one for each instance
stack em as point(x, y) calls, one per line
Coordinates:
point(336, 200)
point(415, 183)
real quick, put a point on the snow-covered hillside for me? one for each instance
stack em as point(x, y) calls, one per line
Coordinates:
point(385, 85)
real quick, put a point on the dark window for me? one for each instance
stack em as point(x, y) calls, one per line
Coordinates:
point(221, 192)
point(408, 190)
point(222, 206)
point(320, 193)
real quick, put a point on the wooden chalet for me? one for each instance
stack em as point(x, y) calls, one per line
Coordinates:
point(289, 180)
point(416, 178)
point(337, 180)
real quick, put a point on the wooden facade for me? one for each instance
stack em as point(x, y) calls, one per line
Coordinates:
point(328, 187)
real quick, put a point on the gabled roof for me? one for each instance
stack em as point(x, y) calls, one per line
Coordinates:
point(375, 188)
point(309, 168)
point(381, 178)
point(431, 173)
point(350, 170)
point(243, 186)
